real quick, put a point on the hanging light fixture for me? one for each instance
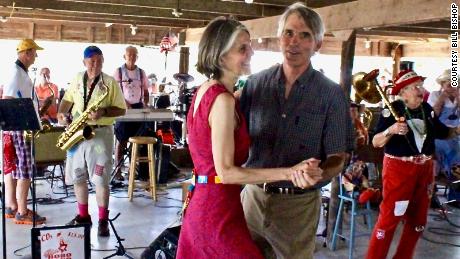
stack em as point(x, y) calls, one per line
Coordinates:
point(133, 29)
point(177, 12)
point(248, 1)
point(367, 43)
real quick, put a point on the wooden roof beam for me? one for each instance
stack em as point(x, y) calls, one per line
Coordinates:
point(191, 10)
point(220, 7)
point(84, 17)
point(443, 32)
point(354, 15)
point(103, 9)
point(284, 3)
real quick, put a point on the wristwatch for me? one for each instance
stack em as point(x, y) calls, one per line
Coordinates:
point(386, 133)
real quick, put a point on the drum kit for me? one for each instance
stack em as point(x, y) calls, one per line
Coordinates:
point(175, 97)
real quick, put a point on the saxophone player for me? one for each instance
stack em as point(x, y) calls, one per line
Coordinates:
point(47, 94)
point(96, 96)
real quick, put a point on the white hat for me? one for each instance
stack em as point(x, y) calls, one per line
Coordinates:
point(445, 76)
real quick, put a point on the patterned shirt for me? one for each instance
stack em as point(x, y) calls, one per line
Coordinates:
point(313, 122)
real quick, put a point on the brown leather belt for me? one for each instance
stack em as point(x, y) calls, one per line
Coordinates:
point(273, 189)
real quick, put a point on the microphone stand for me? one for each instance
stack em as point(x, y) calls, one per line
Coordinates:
point(121, 251)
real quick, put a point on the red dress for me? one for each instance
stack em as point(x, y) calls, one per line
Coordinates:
point(214, 224)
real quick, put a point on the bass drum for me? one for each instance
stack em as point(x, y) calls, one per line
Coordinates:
point(162, 101)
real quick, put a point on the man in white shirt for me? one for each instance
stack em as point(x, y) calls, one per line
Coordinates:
point(19, 85)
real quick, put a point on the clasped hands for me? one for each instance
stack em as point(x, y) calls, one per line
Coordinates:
point(306, 173)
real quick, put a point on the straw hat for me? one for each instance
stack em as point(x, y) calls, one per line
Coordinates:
point(445, 76)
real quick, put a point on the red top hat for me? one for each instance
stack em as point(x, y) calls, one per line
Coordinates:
point(403, 79)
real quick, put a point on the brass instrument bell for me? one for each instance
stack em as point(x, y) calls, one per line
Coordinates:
point(365, 90)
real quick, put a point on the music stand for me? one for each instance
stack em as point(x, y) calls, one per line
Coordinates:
point(15, 115)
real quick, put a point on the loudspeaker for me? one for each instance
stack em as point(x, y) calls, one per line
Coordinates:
point(164, 246)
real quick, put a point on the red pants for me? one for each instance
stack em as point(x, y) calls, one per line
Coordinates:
point(407, 189)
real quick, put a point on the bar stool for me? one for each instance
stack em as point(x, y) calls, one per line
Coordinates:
point(150, 142)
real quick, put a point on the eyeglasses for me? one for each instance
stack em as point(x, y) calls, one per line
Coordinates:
point(303, 35)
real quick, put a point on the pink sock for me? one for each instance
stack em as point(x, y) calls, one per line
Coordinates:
point(103, 213)
point(83, 210)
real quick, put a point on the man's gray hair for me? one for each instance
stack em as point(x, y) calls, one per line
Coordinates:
point(310, 17)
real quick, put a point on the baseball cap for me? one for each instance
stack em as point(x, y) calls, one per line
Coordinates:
point(403, 79)
point(91, 50)
point(26, 44)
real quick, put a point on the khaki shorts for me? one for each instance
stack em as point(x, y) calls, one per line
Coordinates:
point(91, 159)
point(282, 225)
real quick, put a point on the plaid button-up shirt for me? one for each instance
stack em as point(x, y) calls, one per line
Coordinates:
point(313, 122)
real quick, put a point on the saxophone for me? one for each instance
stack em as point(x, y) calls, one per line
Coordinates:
point(78, 130)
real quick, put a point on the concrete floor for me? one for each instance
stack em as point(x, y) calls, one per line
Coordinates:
point(142, 220)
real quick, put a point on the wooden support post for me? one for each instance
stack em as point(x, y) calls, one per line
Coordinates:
point(346, 68)
point(183, 59)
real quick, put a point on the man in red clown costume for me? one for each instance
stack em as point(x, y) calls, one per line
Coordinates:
point(407, 166)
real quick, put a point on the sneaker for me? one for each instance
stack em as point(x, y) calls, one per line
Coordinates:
point(80, 220)
point(103, 228)
point(10, 213)
point(28, 218)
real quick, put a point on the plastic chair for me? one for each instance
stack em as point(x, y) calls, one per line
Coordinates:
point(355, 211)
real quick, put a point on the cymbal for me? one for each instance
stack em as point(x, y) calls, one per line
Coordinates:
point(183, 77)
point(169, 83)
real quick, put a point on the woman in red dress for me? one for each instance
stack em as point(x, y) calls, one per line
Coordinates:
point(214, 224)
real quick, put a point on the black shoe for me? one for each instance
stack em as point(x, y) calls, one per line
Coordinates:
point(103, 228)
point(80, 220)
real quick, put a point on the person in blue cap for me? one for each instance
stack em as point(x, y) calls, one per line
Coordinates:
point(92, 158)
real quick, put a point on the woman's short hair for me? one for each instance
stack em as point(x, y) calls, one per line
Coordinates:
point(217, 39)
point(310, 17)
